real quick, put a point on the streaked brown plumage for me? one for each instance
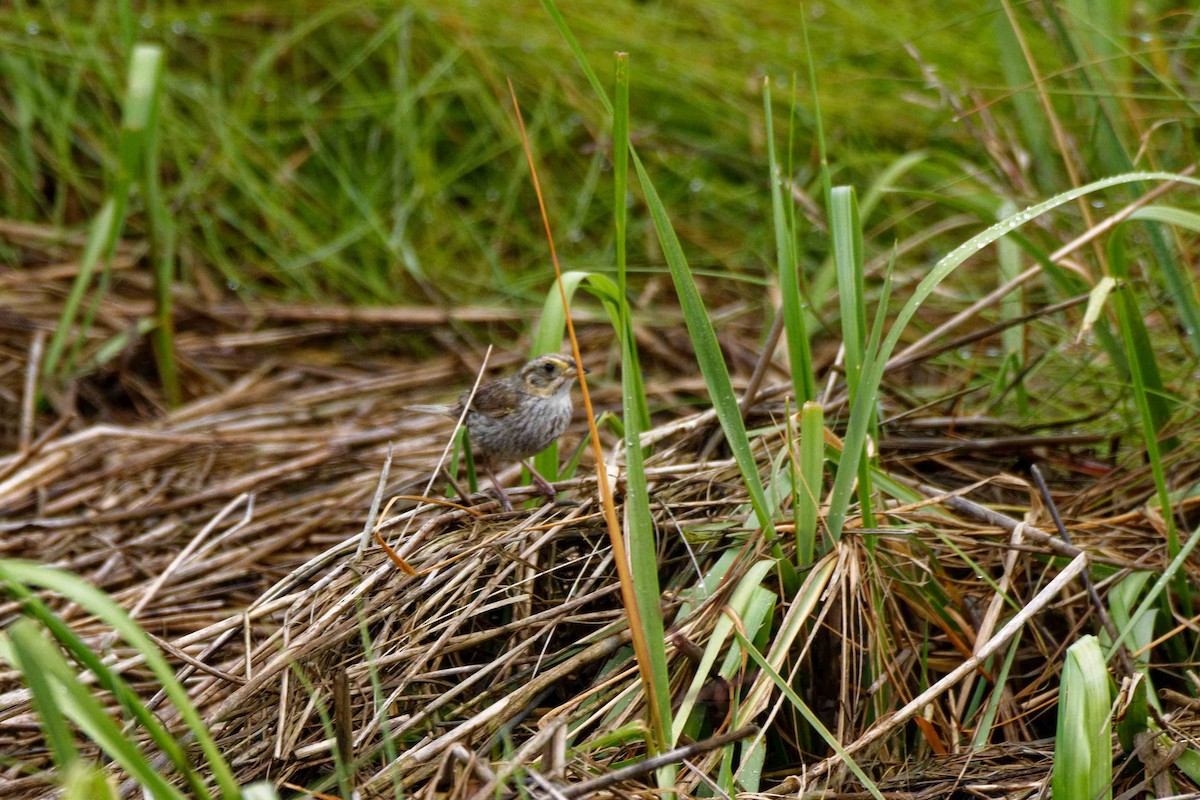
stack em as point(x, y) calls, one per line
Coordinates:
point(513, 418)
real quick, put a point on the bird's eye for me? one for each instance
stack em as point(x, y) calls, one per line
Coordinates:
point(548, 368)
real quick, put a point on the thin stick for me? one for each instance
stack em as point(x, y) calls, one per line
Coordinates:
point(29, 399)
point(649, 765)
point(1093, 595)
point(373, 514)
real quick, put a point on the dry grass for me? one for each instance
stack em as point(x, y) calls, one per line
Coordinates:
point(232, 526)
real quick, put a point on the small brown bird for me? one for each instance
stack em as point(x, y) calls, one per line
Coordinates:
point(513, 418)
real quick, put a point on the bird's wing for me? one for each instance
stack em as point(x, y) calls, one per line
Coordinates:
point(495, 399)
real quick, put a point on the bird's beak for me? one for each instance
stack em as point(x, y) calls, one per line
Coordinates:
point(576, 373)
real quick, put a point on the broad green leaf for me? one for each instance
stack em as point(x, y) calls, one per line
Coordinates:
point(1083, 743)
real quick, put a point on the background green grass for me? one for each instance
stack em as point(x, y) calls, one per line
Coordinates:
point(366, 152)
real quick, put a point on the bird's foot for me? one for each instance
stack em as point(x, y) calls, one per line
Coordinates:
point(500, 493)
point(502, 496)
point(544, 486)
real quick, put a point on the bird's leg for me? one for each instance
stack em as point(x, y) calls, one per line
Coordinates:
point(541, 483)
point(500, 494)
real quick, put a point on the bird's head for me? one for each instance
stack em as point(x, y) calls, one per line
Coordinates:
point(547, 375)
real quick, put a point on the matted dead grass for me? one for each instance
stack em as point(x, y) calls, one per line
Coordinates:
point(233, 530)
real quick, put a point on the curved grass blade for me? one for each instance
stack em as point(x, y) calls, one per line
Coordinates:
point(18, 575)
point(552, 325)
point(29, 656)
point(69, 695)
point(861, 410)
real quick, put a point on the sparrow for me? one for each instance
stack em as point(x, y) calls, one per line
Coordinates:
point(513, 418)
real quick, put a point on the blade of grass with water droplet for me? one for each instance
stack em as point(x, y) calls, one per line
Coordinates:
point(861, 410)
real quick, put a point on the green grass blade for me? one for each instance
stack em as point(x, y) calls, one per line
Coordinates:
point(846, 230)
point(631, 371)
point(1122, 600)
point(548, 338)
point(712, 367)
point(621, 165)
point(19, 75)
point(983, 729)
point(1155, 594)
point(577, 51)
point(818, 123)
point(1008, 258)
point(812, 480)
point(146, 72)
point(1149, 396)
point(30, 651)
point(804, 382)
point(1140, 355)
point(639, 522)
point(101, 236)
point(1170, 215)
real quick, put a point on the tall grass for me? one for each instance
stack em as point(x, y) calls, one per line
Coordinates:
point(367, 156)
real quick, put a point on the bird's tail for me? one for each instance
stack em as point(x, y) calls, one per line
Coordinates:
point(439, 410)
